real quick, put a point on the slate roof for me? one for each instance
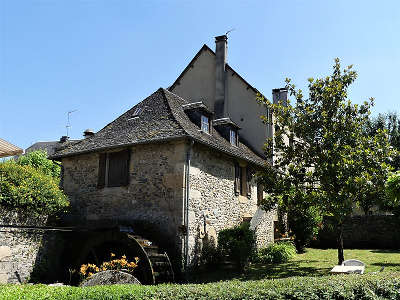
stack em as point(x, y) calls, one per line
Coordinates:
point(161, 118)
point(50, 146)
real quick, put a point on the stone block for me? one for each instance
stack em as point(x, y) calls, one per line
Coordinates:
point(3, 278)
point(5, 252)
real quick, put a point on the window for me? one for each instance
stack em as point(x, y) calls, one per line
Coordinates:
point(233, 137)
point(114, 169)
point(205, 124)
point(242, 181)
point(260, 193)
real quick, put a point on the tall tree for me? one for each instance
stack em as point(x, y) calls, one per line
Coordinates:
point(322, 158)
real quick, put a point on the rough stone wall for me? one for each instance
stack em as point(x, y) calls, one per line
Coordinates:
point(213, 205)
point(363, 232)
point(154, 194)
point(23, 251)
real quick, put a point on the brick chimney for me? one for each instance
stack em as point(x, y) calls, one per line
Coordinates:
point(221, 105)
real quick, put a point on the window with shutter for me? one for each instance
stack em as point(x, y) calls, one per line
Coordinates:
point(237, 179)
point(249, 175)
point(114, 169)
point(260, 193)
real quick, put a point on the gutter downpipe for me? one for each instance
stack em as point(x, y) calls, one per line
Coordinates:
point(186, 211)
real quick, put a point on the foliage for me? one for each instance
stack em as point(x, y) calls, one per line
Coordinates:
point(393, 192)
point(321, 151)
point(25, 188)
point(38, 160)
point(382, 286)
point(391, 123)
point(87, 270)
point(238, 243)
point(304, 223)
point(210, 255)
point(276, 253)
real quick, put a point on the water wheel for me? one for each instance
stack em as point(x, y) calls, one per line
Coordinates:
point(154, 265)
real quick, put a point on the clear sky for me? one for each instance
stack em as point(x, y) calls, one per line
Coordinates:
point(103, 57)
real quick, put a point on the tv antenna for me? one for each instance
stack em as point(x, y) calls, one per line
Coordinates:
point(229, 31)
point(68, 126)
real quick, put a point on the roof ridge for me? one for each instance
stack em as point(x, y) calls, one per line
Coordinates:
point(170, 109)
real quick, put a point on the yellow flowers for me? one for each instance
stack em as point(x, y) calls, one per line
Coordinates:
point(114, 264)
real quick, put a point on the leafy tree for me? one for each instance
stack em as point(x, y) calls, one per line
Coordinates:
point(392, 188)
point(38, 160)
point(322, 158)
point(27, 189)
point(390, 122)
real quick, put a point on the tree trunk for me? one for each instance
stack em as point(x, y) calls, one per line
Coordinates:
point(340, 244)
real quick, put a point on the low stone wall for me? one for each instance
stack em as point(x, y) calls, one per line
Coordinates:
point(24, 253)
point(363, 232)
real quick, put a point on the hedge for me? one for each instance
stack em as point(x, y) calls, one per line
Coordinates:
point(368, 286)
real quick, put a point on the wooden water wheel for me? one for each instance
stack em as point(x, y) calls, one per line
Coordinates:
point(154, 265)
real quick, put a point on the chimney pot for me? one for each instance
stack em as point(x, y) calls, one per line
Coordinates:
point(88, 133)
point(64, 138)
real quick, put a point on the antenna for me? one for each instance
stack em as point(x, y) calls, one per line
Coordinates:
point(68, 126)
point(229, 31)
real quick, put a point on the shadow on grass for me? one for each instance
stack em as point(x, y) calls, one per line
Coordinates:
point(387, 251)
point(386, 264)
point(258, 271)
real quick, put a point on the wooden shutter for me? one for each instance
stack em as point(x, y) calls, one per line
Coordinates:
point(102, 170)
point(249, 175)
point(260, 196)
point(118, 168)
point(237, 179)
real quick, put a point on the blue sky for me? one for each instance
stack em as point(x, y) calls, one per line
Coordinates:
point(103, 57)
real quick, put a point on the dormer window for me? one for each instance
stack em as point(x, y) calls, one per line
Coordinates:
point(233, 137)
point(205, 124)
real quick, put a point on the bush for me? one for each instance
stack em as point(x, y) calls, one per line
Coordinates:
point(304, 224)
point(27, 189)
point(346, 287)
point(238, 243)
point(38, 160)
point(276, 253)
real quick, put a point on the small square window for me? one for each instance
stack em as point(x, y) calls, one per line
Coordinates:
point(205, 124)
point(233, 137)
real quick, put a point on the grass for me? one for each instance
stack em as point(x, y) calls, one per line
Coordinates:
point(314, 262)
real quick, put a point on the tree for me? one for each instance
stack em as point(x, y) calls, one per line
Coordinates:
point(26, 189)
point(322, 158)
point(390, 122)
point(38, 160)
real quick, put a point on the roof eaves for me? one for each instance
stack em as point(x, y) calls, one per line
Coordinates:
point(173, 138)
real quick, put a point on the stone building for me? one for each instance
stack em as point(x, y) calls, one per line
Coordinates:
point(182, 161)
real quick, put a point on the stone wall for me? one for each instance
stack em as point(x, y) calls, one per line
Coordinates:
point(213, 205)
point(27, 254)
point(363, 232)
point(154, 194)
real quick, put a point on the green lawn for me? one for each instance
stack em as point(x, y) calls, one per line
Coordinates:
point(315, 262)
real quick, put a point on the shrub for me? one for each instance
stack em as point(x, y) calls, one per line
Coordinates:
point(27, 189)
point(277, 253)
point(210, 255)
point(238, 243)
point(346, 287)
point(38, 160)
point(304, 224)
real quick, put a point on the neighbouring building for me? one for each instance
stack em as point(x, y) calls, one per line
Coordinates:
point(183, 161)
